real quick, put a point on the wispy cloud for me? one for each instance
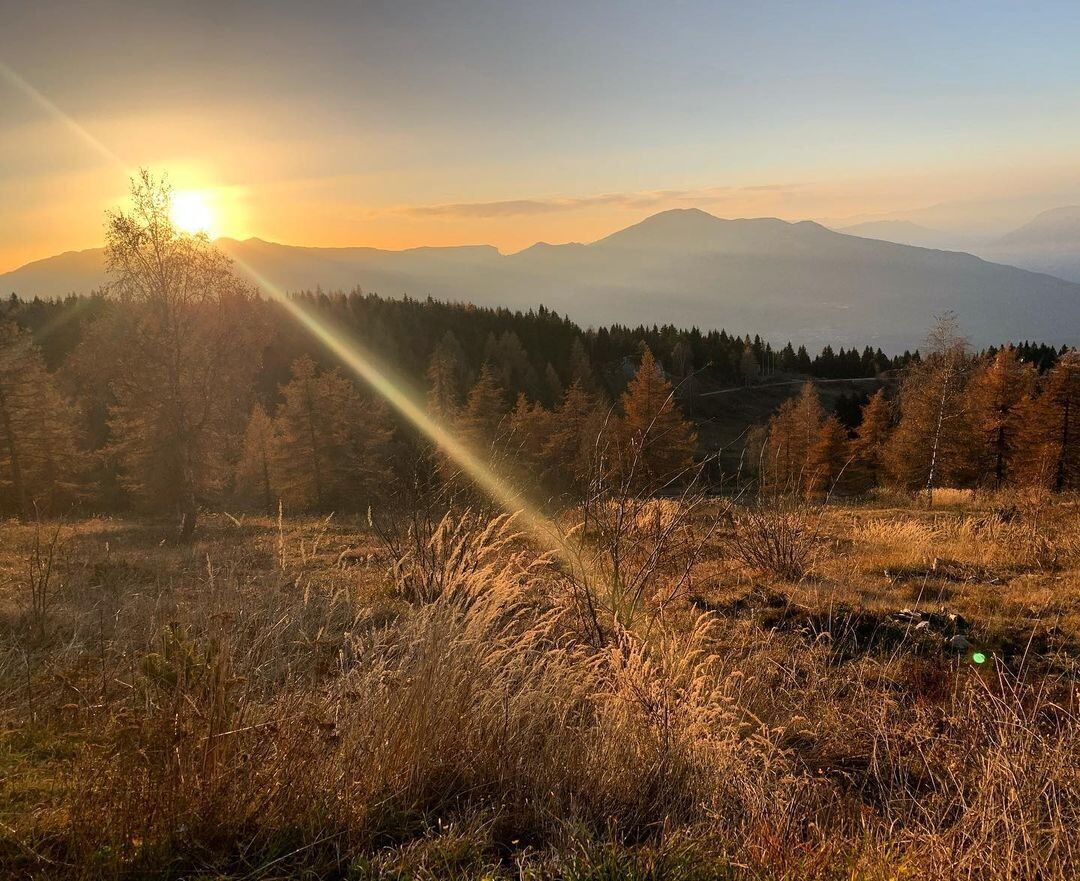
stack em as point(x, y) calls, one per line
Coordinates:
point(644, 199)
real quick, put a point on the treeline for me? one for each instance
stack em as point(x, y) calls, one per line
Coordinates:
point(533, 346)
point(959, 419)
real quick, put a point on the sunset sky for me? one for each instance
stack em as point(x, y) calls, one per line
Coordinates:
point(403, 123)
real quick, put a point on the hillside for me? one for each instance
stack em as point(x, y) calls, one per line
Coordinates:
point(1049, 243)
point(796, 281)
point(902, 232)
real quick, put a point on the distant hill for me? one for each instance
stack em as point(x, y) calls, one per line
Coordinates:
point(1048, 243)
point(901, 232)
point(797, 281)
point(77, 272)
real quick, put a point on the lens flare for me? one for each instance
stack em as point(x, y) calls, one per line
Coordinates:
point(397, 394)
point(979, 658)
point(6, 73)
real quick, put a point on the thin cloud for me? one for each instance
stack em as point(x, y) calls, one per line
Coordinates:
point(700, 197)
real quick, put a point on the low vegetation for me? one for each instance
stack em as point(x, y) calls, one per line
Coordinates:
point(286, 697)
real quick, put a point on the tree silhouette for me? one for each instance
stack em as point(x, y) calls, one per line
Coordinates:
point(189, 350)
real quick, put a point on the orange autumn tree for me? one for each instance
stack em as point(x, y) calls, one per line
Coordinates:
point(38, 459)
point(827, 458)
point(1049, 435)
point(995, 394)
point(658, 441)
point(868, 447)
point(575, 449)
point(792, 433)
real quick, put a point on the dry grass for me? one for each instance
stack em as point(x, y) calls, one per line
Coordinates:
point(250, 708)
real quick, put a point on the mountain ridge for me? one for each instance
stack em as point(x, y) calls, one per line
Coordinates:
point(799, 281)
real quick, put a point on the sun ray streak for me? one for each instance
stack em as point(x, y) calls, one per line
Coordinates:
point(21, 85)
point(382, 380)
point(395, 392)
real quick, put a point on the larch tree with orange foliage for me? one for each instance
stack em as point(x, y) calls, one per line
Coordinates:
point(1049, 441)
point(332, 446)
point(575, 449)
point(482, 420)
point(659, 441)
point(868, 447)
point(38, 460)
point(827, 458)
point(932, 443)
point(255, 484)
point(529, 425)
point(995, 393)
point(792, 432)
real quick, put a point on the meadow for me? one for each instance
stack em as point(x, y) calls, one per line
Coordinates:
point(709, 689)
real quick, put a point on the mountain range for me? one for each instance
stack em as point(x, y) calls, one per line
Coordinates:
point(1050, 243)
point(797, 281)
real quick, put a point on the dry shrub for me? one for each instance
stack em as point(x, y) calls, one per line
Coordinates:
point(774, 537)
point(951, 497)
point(455, 552)
point(628, 557)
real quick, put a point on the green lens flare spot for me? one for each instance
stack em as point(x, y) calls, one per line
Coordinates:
point(979, 658)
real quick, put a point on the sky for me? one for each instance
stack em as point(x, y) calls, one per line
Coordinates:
point(397, 124)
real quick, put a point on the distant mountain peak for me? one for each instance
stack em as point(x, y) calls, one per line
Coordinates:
point(1052, 229)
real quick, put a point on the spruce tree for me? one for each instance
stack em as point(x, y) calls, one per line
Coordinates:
point(446, 378)
point(553, 387)
point(580, 367)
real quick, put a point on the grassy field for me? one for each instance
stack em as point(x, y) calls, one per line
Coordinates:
point(876, 690)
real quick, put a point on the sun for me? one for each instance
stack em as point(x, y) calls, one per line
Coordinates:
point(191, 212)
